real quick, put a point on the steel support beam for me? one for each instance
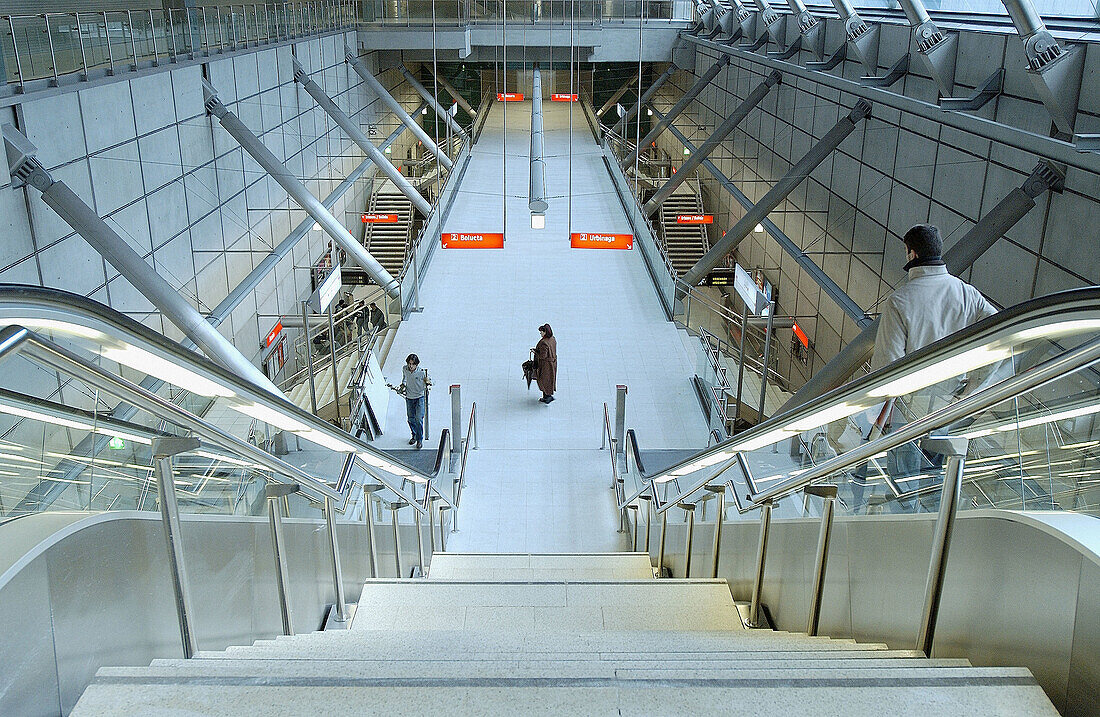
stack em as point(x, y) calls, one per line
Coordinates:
point(937, 51)
point(27, 170)
point(958, 258)
point(862, 38)
point(830, 287)
point(294, 187)
point(705, 79)
point(724, 130)
point(536, 197)
point(455, 94)
point(767, 204)
point(432, 102)
point(617, 96)
point(621, 125)
point(396, 108)
point(352, 129)
point(810, 29)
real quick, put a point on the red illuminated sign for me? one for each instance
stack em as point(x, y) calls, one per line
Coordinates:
point(473, 240)
point(560, 97)
point(379, 219)
point(592, 240)
point(509, 97)
point(273, 334)
point(694, 218)
point(801, 336)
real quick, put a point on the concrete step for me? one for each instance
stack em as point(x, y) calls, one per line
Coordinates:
point(1004, 692)
point(536, 567)
point(541, 669)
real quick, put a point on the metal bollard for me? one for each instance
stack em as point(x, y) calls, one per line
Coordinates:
point(163, 450)
point(719, 492)
point(274, 494)
point(689, 514)
point(761, 555)
point(367, 507)
point(828, 494)
point(341, 607)
point(955, 450)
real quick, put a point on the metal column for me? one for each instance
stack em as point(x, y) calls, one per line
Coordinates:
point(536, 197)
point(352, 129)
point(396, 108)
point(615, 97)
point(700, 84)
point(720, 133)
point(825, 146)
point(26, 169)
point(959, 257)
point(163, 450)
point(294, 187)
point(456, 95)
point(621, 125)
point(432, 102)
point(340, 608)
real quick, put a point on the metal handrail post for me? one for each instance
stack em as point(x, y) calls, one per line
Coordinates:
point(648, 517)
point(634, 530)
point(274, 493)
point(420, 542)
point(110, 50)
point(163, 450)
point(133, 40)
point(828, 493)
point(367, 507)
point(761, 556)
point(955, 450)
point(620, 494)
point(719, 516)
point(53, 58)
point(443, 507)
point(689, 510)
point(661, 545)
point(393, 508)
point(341, 608)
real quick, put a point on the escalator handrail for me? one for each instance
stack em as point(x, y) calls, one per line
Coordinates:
point(79, 310)
point(1058, 307)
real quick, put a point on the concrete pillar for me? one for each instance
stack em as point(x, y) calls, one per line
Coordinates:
point(294, 187)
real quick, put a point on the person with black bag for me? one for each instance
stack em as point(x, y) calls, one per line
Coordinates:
point(546, 363)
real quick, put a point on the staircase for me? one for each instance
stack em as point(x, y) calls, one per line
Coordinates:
point(558, 634)
point(298, 394)
point(685, 244)
point(387, 242)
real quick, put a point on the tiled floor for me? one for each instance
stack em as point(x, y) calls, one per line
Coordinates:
point(539, 482)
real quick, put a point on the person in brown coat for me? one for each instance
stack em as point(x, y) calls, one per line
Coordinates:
point(546, 362)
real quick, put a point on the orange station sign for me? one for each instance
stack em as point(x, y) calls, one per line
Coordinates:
point(695, 219)
point(593, 240)
point(509, 97)
point(379, 218)
point(563, 97)
point(473, 240)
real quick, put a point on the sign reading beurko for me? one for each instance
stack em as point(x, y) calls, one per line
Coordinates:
point(593, 240)
point(473, 240)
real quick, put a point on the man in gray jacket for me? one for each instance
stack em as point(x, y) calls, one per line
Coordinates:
point(928, 306)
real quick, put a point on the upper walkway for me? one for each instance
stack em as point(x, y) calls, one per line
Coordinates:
point(539, 482)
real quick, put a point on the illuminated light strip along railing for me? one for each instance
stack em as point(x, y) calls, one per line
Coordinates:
point(1045, 317)
point(52, 310)
point(1009, 388)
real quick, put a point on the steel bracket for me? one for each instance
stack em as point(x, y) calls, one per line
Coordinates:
point(1058, 84)
point(895, 73)
point(791, 51)
point(993, 86)
point(280, 490)
point(832, 61)
point(863, 39)
point(938, 53)
point(822, 490)
point(172, 446)
point(945, 445)
point(1087, 142)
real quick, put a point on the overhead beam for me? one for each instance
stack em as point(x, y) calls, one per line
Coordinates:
point(960, 257)
point(432, 102)
point(616, 96)
point(804, 261)
point(767, 204)
point(536, 196)
point(705, 79)
point(720, 134)
point(396, 108)
point(294, 187)
point(27, 170)
point(455, 94)
point(352, 130)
